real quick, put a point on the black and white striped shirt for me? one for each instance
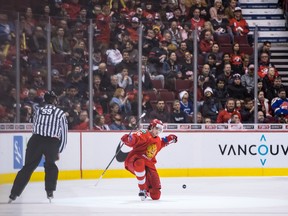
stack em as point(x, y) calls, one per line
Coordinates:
point(51, 121)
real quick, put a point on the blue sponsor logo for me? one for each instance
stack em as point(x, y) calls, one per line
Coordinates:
point(263, 149)
point(18, 152)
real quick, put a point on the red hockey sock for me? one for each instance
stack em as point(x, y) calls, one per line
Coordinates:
point(140, 173)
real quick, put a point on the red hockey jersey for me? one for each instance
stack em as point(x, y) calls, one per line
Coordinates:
point(144, 146)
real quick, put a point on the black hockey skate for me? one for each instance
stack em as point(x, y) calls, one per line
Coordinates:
point(12, 197)
point(143, 195)
point(50, 195)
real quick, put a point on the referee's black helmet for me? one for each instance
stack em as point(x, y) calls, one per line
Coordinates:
point(50, 96)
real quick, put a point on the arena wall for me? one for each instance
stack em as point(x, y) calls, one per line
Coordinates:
point(197, 153)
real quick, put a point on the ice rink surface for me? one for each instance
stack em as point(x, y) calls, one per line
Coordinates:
point(229, 196)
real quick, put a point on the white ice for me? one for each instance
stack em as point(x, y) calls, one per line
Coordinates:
point(229, 196)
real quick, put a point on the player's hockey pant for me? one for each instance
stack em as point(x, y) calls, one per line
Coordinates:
point(148, 178)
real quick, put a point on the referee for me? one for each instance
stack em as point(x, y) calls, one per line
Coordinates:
point(49, 139)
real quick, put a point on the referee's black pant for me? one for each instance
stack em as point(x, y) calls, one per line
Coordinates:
point(36, 147)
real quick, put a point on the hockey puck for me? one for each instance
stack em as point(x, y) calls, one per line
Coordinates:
point(183, 186)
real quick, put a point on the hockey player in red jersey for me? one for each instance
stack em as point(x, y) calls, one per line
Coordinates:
point(142, 158)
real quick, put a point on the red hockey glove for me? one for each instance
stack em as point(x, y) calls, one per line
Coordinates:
point(126, 139)
point(171, 138)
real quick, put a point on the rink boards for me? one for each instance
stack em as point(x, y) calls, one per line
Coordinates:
point(197, 153)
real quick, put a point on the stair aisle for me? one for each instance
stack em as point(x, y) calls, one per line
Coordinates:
point(268, 17)
point(272, 26)
point(279, 57)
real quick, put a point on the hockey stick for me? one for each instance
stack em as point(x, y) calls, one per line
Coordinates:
point(120, 145)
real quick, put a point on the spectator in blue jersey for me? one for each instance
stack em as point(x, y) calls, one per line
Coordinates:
point(185, 104)
point(49, 138)
point(280, 104)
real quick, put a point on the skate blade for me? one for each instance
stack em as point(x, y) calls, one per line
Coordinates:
point(10, 201)
point(50, 200)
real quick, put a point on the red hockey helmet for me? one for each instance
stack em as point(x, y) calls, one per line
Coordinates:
point(156, 123)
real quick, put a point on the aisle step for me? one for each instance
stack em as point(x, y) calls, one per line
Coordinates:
point(282, 67)
point(263, 16)
point(272, 23)
point(283, 48)
point(258, 2)
point(267, 11)
point(279, 61)
point(277, 54)
point(259, 6)
point(272, 36)
point(264, 13)
point(268, 28)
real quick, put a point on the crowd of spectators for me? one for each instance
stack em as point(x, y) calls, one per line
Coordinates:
point(225, 84)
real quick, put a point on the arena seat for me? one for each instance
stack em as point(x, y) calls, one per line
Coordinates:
point(157, 84)
point(166, 95)
point(246, 49)
point(181, 85)
point(152, 95)
point(223, 40)
point(241, 39)
point(226, 49)
point(201, 60)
